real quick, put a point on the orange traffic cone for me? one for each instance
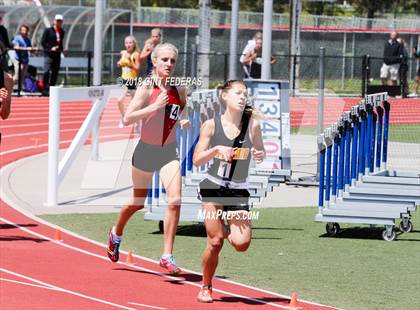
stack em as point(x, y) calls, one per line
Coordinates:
point(129, 259)
point(57, 235)
point(294, 304)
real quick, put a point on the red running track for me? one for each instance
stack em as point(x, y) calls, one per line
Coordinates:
point(39, 273)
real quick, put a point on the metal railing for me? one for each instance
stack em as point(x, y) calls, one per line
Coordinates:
point(191, 16)
point(75, 68)
point(344, 75)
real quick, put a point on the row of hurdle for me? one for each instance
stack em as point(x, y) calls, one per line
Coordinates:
point(355, 185)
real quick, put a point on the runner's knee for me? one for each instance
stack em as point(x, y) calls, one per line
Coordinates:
point(242, 245)
point(215, 243)
point(136, 203)
point(174, 202)
point(135, 207)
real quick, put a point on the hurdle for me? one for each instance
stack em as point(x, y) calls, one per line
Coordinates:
point(272, 98)
point(58, 169)
point(363, 191)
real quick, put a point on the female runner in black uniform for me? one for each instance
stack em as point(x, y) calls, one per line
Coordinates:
point(229, 141)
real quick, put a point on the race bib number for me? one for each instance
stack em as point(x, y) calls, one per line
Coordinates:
point(174, 112)
point(224, 169)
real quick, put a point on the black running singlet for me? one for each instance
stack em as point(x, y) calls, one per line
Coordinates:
point(236, 170)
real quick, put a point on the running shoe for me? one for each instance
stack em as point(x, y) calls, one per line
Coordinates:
point(205, 294)
point(113, 248)
point(170, 265)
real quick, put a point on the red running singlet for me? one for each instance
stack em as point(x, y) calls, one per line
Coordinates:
point(158, 127)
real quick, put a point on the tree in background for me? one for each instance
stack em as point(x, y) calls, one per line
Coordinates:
point(369, 8)
point(331, 8)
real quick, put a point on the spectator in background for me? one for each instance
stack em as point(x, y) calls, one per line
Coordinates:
point(392, 60)
point(22, 45)
point(130, 64)
point(249, 46)
point(416, 54)
point(52, 42)
point(403, 68)
point(149, 46)
point(253, 59)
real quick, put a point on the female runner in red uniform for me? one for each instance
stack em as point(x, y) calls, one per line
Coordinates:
point(159, 106)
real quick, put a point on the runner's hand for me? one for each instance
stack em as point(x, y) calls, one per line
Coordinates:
point(161, 101)
point(257, 155)
point(3, 94)
point(185, 123)
point(225, 153)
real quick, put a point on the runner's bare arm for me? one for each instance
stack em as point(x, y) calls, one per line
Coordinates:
point(184, 122)
point(121, 57)
point(147, 50)
point(136, 110)
point(258, 151)
point(250, 56)
point(6, 103)
point(136, 61)
point(202, 153)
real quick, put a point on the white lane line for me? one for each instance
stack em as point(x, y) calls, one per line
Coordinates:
point(147, 306)
point(60, 289)
point(140, 268)
point(24, 148)
point(46, 107)
point(28, 284)
point(46, 113)
point(46, 132)
point(64, 117)
point(64, 107)
point(46, 124)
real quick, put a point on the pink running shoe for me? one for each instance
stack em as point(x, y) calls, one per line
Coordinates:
point(113, 250)
point(170, 265)
point(205, 294)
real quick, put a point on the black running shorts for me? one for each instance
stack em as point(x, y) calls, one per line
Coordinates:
point(232, 199)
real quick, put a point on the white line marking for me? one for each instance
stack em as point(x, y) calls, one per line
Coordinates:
point(138, 267)
point(62, 142)
point(46, 124)
point(64, 117)
point(28, 284)
point(65, 290)
point(143, 305)
point(46, 113)
point(46, 132)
